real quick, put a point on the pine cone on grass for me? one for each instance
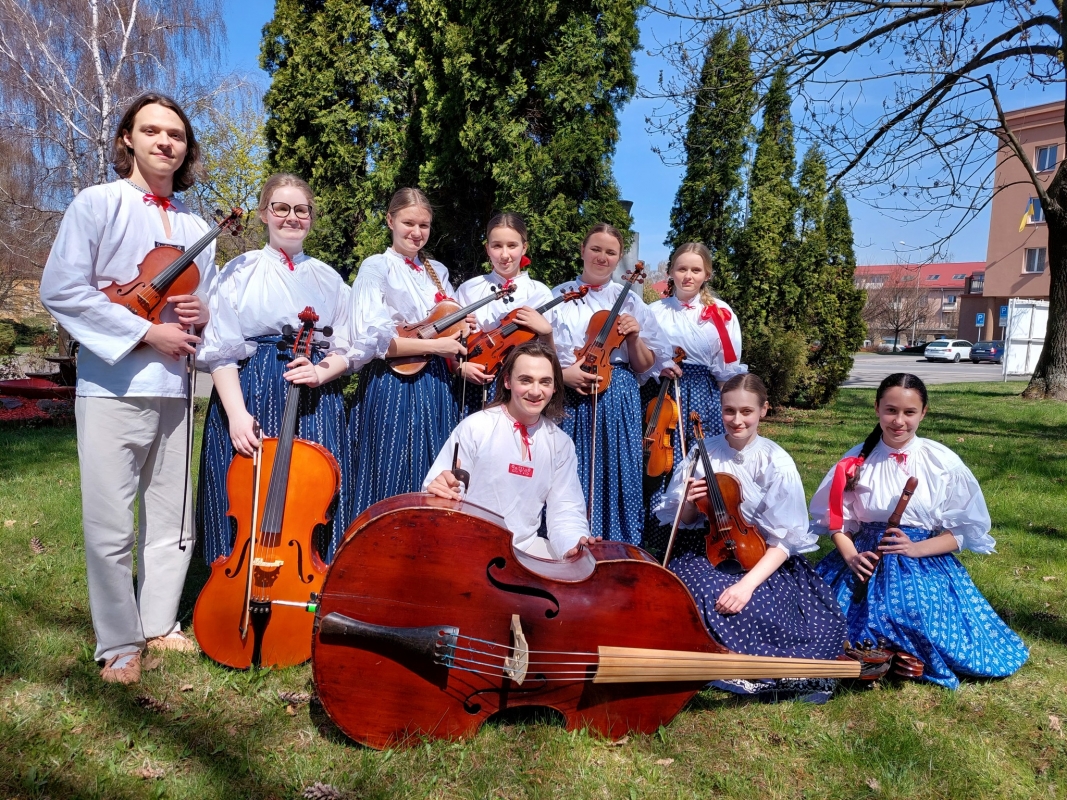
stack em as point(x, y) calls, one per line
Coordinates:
point(322, 791)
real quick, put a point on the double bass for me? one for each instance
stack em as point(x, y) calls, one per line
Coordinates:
point(421, 635)
point(255, 608)
point(445, 319)
point(166, 271)
point(733, 544)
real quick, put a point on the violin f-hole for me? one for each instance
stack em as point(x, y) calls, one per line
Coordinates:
point(529, 591)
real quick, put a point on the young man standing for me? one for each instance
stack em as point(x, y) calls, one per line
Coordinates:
point(519, 460)
point(132, 383)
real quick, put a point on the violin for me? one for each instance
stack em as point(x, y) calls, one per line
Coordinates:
point(661, 419)
point(490, 348)
point(428, 636)
point(445, 319)
point(167, 271)
point(602, 337)
point(254, 609)
point(733, 544)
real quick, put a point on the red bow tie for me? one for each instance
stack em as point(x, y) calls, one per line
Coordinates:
point(593, 287)
point(286, 260)
point(719, 316)
point(687, 305)
point(524, 432)
point(411, 263)
point(900, 458)
point(507, 284)
point(154, 199)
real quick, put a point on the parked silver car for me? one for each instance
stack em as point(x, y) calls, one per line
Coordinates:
point(947, 350)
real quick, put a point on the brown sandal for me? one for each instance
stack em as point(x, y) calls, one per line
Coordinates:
point(131, 673)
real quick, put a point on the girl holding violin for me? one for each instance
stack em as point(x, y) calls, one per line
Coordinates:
point(707, 331)
point(605, 424)
point(506, 241)
point(780, 606)
point(257, 295)
point(918, 595)
point(398, 423)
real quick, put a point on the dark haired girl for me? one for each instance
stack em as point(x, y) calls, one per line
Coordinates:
point(920, 597)
point(780, 607)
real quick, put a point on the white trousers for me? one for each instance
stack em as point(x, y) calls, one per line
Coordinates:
point(133, 447)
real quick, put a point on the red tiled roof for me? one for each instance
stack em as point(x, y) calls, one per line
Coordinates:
point(944, 272)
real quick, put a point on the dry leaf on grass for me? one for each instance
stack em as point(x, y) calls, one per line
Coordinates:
point(664, 762)
point(619, 742)
point(1054, 724)
point(1048, 578)
point(872, 783)
point(187, 687)
point(9, 523)
point(290, 710)
point(148, 773)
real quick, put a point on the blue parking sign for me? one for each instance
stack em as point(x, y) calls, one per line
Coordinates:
point(979, 319)
point(1003, 316)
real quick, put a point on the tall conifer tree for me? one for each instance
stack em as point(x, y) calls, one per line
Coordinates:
point(707, 207)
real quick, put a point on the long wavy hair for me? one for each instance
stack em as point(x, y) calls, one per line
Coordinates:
point(538, 349)
point(122, 154)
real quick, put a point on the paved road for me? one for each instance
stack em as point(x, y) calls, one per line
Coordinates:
point(869, 369)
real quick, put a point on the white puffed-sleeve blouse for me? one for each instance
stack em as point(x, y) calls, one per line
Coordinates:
point(700, 338)
point(528, 292)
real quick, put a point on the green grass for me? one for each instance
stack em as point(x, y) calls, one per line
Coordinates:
point(65, 734)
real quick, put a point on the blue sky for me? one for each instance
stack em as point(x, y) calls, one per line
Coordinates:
point(651, 184)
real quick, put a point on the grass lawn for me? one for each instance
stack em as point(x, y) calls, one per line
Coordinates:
point(192, 729)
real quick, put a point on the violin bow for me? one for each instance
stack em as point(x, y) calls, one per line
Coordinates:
point(592, 459)
point(686, 483)
point(257, 465)
point(190, 374)
point(681, 428)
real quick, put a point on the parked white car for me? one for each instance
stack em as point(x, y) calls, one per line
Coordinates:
point(947, 350)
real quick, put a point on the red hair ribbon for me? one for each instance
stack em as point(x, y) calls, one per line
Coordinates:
point(524, 262)
point(286, 260)
point(525, 433)
point(845, 469)
point(720, 316)
point(155, 199)
point(411, 263)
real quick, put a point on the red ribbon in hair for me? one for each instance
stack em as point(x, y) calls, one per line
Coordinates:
point(286, 260)
point(154, 199)
point(524, 432)
point(411, 263)
point(524, 262)
point(720, 316)
point(846, 468)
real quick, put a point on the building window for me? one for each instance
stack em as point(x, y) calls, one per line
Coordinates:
point(932, 277)
point(1035, 259)
point(1039, 212)
point(962, 276)
point(950, 299)
point(1046, 158)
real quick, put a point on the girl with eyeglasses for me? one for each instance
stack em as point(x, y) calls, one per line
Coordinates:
point(257, 295)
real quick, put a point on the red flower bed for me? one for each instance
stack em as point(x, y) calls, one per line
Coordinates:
point(35, 412)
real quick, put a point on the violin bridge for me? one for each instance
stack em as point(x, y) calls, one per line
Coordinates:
point(518, 662)
point(259, 562)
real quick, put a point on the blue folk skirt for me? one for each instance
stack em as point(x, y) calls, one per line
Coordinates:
point(398, 425)
point(618, 509)
point(793, 614)
point(477, 397)
point(321, 420)
point(699, 392)
point(928, 607)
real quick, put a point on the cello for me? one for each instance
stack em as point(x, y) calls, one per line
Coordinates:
point(254, 609)
point(661, 419)
point(733, 544)
point(490, 348)
point(166, 271)
point(428, 636)
point(602, 337)
point(445, 319)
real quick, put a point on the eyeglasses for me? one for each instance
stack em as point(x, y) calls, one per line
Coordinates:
point(302, 210)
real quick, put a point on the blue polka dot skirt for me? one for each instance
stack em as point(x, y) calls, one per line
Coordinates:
point(618, 508)
point(791, 614)
point(699, 392)
point(398, 425)
point(321, 419)
point(928, 607)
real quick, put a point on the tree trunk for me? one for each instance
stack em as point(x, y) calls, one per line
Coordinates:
point(1050, 375)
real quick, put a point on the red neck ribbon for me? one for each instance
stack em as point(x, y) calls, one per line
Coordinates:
point(525, 433)
point(411, 263)
point(286, 260)
point(845, 469)
point(901, 458)
point(720, 316)
point(154, 199)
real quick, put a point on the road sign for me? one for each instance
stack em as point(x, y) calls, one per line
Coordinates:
point(1003, 316)
point(979, 319)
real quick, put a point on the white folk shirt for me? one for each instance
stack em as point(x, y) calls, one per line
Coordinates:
point(105, 234)
point(256, 294)
point(387, 293)
point(770, 484)
point(699, 338)
point(508, 483)
point(571, 322)
point(528, 292)
point(948, 497)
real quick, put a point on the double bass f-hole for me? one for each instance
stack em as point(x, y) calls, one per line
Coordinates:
point(499, 563)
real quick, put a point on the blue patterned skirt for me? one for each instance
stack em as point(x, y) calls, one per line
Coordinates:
point(321, 420)
point(398, 425)
point(477, 397)
point(699, 392)
point(793, 614)
point(618, 511)
point(928, 607)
